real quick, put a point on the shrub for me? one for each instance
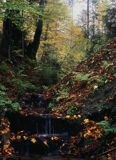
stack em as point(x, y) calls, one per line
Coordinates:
point(5, 102)
point(107, 128)
point(4, 67)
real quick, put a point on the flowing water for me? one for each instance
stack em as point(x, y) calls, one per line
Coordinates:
point(58, 158)
point(52, 158)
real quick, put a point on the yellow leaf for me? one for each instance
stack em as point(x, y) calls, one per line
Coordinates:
point(55, 138)
point(75, 116)
point(86, 120)
point(45, 142)
point(79, 116)
point(33, 140)
point(18, 137)
point(67, 116)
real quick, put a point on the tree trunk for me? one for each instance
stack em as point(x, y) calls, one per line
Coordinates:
point(44, 57)
point(34, 46)
point(11, 37)
point(6, 40)
point(88, 18)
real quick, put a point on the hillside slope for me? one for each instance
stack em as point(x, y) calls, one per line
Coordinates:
point(91, 88)
point(88, 95)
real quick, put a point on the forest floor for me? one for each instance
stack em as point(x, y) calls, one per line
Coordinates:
point(87, 96)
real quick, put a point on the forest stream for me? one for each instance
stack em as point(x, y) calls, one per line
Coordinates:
point(57, 158)
point(49, 136)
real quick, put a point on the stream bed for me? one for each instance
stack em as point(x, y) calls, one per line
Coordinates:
point(51, 158)
point(58, 158)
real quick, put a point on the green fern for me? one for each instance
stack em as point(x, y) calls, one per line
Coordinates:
point(23, 85)
point(5, 102)
point(4, 68)
point(107, 128)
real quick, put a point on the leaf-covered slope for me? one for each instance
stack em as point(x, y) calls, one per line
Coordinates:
point(91, 87)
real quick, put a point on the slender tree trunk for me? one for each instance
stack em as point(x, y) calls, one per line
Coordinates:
point(34, 46)
point(88, 29)
point(45, 55)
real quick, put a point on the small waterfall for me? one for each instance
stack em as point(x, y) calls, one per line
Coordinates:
point(37, 128)
point(48, 124)
point(43, 127)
